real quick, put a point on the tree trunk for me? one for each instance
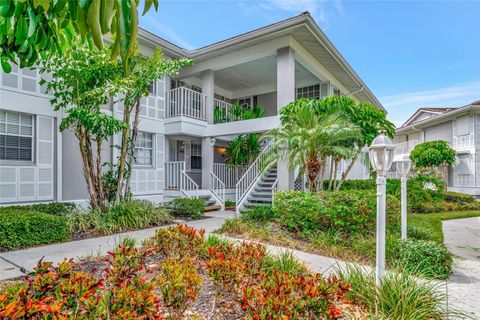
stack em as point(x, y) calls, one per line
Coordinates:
point(123, 154)
point(323, 165)
point(87, 168)
point(330, 179)
point(131, 154)
point(335, 181)
point(350, 166)
point(313, 167)
point(99, 182)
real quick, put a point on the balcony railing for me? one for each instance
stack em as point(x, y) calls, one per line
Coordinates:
point(226, 112)
point(186, 102)
point(465, 141)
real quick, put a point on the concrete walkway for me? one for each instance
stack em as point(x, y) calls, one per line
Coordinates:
point(12, 262)
point(462, 237)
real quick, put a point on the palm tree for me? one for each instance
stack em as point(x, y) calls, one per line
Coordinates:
point(307, 136)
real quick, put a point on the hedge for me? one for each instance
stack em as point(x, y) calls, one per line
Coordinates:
point(26, 228)
point(58, 208)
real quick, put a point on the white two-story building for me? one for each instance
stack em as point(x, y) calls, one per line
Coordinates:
point(460, 127)
point(180, 149)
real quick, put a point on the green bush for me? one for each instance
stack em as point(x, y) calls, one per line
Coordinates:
point(426, 258)
point(186, 207)
point(458, 197)
point(348, 212)
point(259, 214)
point(58, 208)
point(25, 228)
point(128, 215)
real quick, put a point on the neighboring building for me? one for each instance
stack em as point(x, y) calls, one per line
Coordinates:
point(180, 149)
point(460, 127)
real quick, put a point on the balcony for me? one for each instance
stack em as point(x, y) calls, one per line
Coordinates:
point(184, 102)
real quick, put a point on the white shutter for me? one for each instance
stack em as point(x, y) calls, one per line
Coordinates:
point(45, 156)
point(8, 184)
point(160, 161)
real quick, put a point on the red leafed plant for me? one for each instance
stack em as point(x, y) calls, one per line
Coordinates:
point(179, 241)
point(231, 265)
point(53, 293)
point(122, 292)
point(283, 296)
point(179, 283)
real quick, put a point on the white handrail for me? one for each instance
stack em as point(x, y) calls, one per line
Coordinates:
point(187, 185)
point(217, 188)
point(173, 171)
point(182, 101)
point(246, 183)
point(274, 190)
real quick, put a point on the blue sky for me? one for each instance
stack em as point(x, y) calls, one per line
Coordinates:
point(411, 54)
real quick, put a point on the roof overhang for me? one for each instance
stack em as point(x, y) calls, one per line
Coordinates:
point(303, 29)
point(447, 116)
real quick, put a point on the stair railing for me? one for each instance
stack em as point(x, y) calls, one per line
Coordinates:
point(217, 188)
point(187, 186)
point(274, 190)
point(250, 178)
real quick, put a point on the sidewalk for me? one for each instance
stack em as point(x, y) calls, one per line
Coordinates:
point(462, 237)
point(11, 262)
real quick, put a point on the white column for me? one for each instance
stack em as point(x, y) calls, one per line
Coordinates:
point(208, 88)
point(207, 162)
point(285, 95)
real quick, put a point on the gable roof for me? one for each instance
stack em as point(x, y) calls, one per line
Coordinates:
point(303, 28)
point(434, 111)
point(441, 115)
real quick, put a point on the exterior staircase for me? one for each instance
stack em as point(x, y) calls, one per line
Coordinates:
point(210, 202)
point(262, 191)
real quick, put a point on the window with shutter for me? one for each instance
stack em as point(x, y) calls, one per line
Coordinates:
point(16, 136)
point(144, 149)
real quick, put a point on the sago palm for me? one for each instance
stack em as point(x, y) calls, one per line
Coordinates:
point(306, 137)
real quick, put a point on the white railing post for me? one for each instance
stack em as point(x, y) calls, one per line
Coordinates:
point(217, 188)
point(186, 102)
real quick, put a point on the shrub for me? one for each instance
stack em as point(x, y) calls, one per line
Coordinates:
point(58, 208)
point(186, 207)
point(258, 214)
point(284, 261)
point(284, 296)
point(64, 293)
point(179, 241)
point(25, 228)
point(349, 212)
point(230, 265)
point(128, 215)
point(400, 296)
point(179, 283)
point(458, 197)
point(230, 203)
point(426, 258)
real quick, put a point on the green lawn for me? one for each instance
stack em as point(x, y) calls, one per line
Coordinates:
point(431, 223)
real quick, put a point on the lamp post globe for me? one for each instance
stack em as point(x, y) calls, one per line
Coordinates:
point(381, 158)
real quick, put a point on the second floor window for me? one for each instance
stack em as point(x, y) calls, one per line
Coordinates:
point(309, 92)
point(144, 149)
point(16, 136)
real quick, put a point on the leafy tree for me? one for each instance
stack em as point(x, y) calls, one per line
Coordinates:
point(143, 72)
point(307, 136)
point(83, 80)
point(365, 116)
point(433, 154)
point(33, 28)
point(79, 80)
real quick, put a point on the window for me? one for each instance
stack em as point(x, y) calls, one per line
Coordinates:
point(309, 92)
point(196, 156)
point(24, 79)
point(144, 149)
point(245, 102)
point(336, 91)
point(16, 136)
point(151, 88)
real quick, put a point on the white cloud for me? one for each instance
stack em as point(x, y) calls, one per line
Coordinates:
point(438, 97)
point(321, 10)
point(152, 23)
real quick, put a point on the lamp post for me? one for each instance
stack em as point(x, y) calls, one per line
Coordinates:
point(403, 167)
point(381, 158)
